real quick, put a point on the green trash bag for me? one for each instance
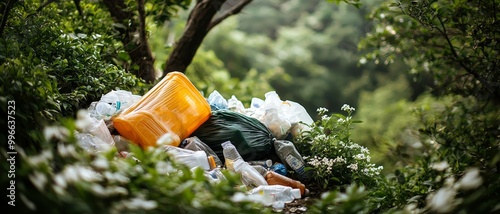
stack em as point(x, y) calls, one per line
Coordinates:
point(252, 139)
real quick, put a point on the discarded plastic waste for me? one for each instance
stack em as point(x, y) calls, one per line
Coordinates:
point(105, 109)
point(217, 101)
point(215, 175)
point(121, 143)
point(252, 139)
point(274, 178)
point(266, 163)
point(279, 168)
point(112, 103)
point(261, 169)
point(234, 162)
point(236, 105)
point(191, 158)
point(98, 128)
point(249, 175)
point(276, 195)
point(195, 144)
point(290, 157)
point(174, 105)
point(91, 143)
point(231, 155)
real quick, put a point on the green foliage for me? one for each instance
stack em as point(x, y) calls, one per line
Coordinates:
point(353, 200)
point(66, 177)
point(455, 41)
point(388, 131)
point(50, 71)
point(331, 155)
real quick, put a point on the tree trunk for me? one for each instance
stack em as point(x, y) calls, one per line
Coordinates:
point(138, 49)
point(196, 30)
point(200, 21)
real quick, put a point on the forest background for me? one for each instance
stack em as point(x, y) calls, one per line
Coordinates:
point(422, 76)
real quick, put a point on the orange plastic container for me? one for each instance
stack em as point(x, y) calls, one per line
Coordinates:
point(174, 106)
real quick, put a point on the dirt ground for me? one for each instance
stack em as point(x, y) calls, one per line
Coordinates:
point(300, 205)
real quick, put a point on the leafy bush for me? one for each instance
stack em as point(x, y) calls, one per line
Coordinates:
point(331, 155)
point(51, 73)
point(456, 173)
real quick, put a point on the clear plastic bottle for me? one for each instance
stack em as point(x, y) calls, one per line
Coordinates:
point(230, 155)
point(194, 143)
point(265, 163)
point(215, 175)
point(191, 158)
point(289, 155)
point(276, 195)
point(249, 175)
point(261, 169)
point(274, 178)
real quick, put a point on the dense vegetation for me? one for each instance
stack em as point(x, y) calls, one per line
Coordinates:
point(419, 134)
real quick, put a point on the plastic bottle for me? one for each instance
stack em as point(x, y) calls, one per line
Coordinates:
point(265, 163)
point(121, 143)
point(106, 109)
point(274, 178)
point(261, 169)
point(215, 175)
point(191, 158)
point(276, 195)
point(195, 144)
point(290, 157)
point(230, 155)
point(249, 175)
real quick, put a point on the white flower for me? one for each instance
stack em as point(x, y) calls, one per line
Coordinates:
point(442, 201)
point(164, 168)
point(100, 163)
point(44, 157)
point(322, 110)
point(347, 108)
point(116, 177)
point(39, 180)
point(57, 132)
point(339, 160)
point(98, 190)
point(142, 204)
point(87, 174)
point(353, 167)
point(66, 150)
point(60, 180)
point(440, 166)
point(83, 120)
point(470, 180)
point(359, 157)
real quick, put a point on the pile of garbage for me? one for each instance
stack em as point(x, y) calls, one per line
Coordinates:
point(211, 133)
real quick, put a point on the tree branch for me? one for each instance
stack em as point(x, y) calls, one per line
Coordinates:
point(198, 25)
point(5, 11)
point(138, 51)
point(232, 11)
point(460, 61)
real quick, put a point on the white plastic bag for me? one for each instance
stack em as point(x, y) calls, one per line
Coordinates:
point(235, 105)
point(289, 117)
point(113, 103)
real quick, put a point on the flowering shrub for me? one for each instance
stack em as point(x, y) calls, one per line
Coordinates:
point(331, 155)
